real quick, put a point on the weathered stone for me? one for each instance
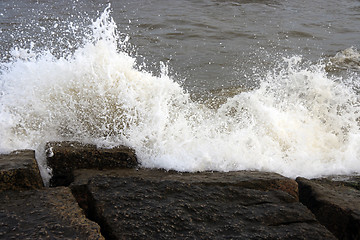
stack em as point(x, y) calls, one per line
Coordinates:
point(154, 204)
point(64, 157)
point(336, 204)
point(19, 170)
point(44, 214)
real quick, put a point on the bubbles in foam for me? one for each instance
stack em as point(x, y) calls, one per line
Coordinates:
point(299, 121)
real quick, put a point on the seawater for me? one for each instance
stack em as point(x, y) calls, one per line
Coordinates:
point(299, 120)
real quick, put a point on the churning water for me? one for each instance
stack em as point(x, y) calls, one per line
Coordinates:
point(190, 85)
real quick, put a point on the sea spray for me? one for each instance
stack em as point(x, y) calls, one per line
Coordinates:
point(298, 122)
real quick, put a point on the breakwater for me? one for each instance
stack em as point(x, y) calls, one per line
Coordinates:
point(106, 194)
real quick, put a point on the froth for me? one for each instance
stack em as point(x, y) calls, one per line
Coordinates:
point(299, 121)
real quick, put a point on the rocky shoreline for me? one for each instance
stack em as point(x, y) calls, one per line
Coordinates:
point(103, 194)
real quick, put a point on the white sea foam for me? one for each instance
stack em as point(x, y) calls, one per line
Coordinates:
point(299, 121)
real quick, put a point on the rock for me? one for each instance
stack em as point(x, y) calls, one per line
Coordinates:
point(44, 214)
point(19, 171)
point(336, 204)
point(64, 157)
point(154, 204)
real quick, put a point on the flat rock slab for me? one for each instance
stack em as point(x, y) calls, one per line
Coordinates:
point(335, 202)
point(44, 214)
point(64, 157)
point(154, 204)
point(19, 171)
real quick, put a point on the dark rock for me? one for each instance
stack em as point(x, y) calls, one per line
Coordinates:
point(19, 170)
point(154, 204)
point(336, 204)
point(64, 157)
point(44, 214)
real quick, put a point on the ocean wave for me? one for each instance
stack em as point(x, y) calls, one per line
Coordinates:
point(300, 121)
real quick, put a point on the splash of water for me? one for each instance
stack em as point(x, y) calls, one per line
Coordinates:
point(299, 121)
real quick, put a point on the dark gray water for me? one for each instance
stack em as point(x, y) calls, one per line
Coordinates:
point(207, 44)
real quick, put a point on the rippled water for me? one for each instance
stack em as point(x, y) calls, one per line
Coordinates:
point(208, 44)
point(190, 85)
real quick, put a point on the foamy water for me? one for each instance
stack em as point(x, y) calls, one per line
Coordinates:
point(300, 121)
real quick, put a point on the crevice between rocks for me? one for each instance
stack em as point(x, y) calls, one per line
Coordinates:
point(334, 204)
point(87, 202)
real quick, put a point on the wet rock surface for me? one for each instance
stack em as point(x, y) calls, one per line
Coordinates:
point(335, 202)
point(123, 201)
point(154, 204)
point(19, 171)
point(64, 157)
point(44, 214)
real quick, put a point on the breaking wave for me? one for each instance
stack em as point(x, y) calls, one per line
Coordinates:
point(299, 121)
